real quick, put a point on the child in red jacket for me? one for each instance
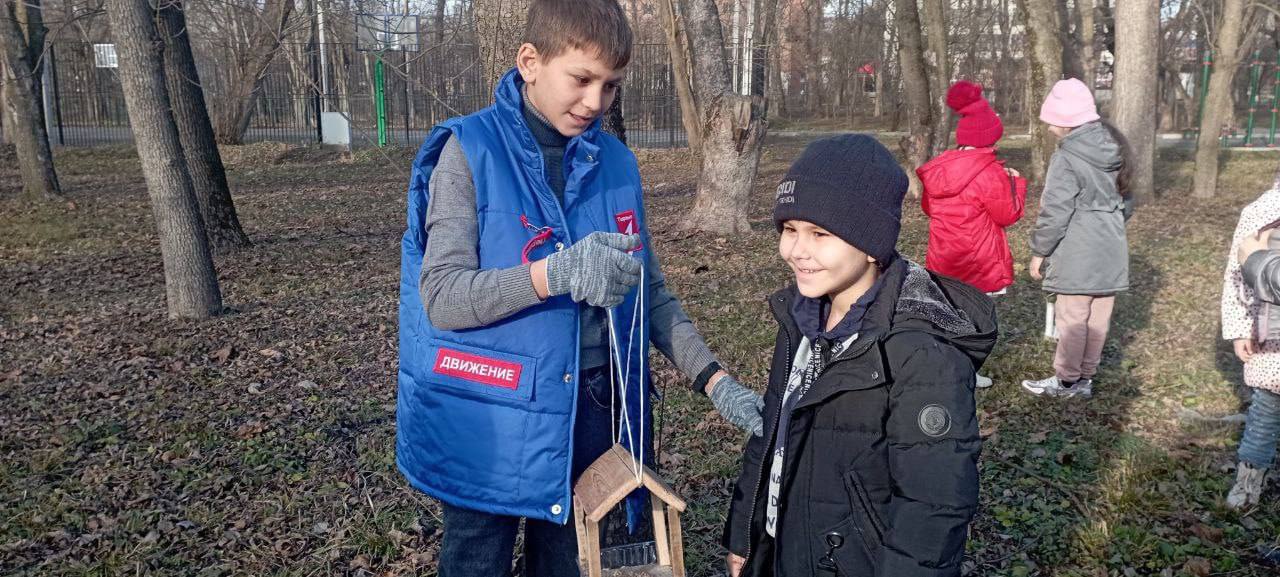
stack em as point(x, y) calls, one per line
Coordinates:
point(971, 198)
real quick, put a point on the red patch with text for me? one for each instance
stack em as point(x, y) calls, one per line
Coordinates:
point(478, 369)
point(627, 224)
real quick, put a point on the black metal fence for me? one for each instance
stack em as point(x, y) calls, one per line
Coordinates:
point(421, 89)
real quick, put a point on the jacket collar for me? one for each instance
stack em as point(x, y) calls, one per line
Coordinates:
point(910, 299)
point(875, 322)
point(581, 154)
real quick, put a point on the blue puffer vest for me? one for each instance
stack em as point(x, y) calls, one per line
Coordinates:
point(484, 418)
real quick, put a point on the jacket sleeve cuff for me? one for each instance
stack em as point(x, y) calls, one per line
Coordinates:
point(704, 377)
point(515, 288)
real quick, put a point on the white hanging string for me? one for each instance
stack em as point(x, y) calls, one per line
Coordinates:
point(623, 374)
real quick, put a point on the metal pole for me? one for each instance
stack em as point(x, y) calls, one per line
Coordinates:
point(1275, 103)
point(1204, 85)
point(317, 100)
point(404, 60)
point(379, 95)
point(46, 93)
point(1255, 76)
point(58, 96)
point(324, 60)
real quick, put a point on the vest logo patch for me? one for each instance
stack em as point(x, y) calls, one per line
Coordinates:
point(627, 224)
point(478, 369)
point(934, 420)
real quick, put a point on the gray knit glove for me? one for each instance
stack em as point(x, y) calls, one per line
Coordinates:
point(738, 405)
point(596, 270)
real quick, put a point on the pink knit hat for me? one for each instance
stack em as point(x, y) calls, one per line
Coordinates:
point(1069, 104)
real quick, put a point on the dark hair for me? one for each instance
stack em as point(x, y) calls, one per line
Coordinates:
point(554, 26)
point(1126, 156)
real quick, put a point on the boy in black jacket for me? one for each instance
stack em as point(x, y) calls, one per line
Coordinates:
point(868, 462)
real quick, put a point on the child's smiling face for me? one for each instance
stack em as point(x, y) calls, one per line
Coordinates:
point(823, 263)
point(571, 89)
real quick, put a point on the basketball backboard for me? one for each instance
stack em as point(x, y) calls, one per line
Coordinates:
point(379, 32)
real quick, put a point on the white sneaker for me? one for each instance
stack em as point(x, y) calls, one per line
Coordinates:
point(1052, 387)
point(1248, 488)
point(983, 382)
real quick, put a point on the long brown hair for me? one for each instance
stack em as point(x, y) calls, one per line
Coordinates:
point(1126, 156)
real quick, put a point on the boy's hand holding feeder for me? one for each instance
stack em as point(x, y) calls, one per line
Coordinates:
point(597, 270)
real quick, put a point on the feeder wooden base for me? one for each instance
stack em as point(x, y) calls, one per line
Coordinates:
point(644, 571)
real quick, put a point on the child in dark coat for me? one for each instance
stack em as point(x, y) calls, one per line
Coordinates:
point(868, 466)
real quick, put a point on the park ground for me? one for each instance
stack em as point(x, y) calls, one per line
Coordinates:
point(261, 443)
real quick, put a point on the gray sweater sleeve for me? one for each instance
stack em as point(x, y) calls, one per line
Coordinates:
point(456, 293)
point(1262, 272)
point(670, 328)
point(1057, 206)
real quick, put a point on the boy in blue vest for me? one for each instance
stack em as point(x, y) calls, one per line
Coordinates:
point(529, 294)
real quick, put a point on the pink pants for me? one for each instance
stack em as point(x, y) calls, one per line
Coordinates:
point(1082, 322)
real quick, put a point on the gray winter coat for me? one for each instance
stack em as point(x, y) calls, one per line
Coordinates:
point(1081, 227)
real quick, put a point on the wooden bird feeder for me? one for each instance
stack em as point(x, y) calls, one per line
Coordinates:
point(604, 485)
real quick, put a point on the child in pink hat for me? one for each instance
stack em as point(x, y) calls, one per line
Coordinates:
point(1079, 238)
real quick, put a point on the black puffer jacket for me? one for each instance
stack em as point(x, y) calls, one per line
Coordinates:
point(882, 451)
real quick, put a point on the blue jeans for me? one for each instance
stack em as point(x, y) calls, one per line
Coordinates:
point(1261, 429)
point(478, 544)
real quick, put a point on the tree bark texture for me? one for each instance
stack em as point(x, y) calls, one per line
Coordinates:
point(1072, 62)
point(776, 91)
point(499, 31)
point(1085, 11)
point(935, 25)
point(813, 59)
point(1045, 67)
point(915, 87)
point(1217, 102)
point(733, 129)
point(22, 43)
point(678, 48)
point(191, 285)
point(232, 116)
point(1136, 88)
point(764, 42)
point(195, 130)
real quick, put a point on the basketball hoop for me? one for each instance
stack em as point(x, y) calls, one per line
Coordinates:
point(387, 32)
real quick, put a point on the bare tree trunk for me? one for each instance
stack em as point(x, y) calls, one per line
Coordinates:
point(1045, 67)
point(1137, 44)
point(915, 88)
point(232, 117)
point(678, 47)
point(204, 163)
point(813, 57)
point(1087, 36)
point(613, 122)
point(499, 29)
point(777, 93)
point(22, 44)
point(935, 26)
point(1217, 103)
point(191, 285)
point(1072, 65)
point(734, 130)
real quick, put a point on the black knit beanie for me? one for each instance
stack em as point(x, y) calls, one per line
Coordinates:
point(849, 185)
